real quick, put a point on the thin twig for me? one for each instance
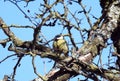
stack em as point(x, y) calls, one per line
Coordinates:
point(72, 39)
point(100, 59)
point(85, 12)
point(109, 59)
point(26, 16)
point(79, 29)
point(35, 71)
point(15, 68)
point(17, 26)
point(47, 42)
point(7, 57)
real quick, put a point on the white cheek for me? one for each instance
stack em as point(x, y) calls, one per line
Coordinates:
point(60, 38)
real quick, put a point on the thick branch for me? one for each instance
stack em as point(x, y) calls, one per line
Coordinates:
point(91, 48)
point(9, 33)
point(84, 56)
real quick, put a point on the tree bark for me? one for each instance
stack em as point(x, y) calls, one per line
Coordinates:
point(106, 27)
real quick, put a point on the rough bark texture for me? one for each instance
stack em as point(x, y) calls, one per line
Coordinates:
point(107, 26)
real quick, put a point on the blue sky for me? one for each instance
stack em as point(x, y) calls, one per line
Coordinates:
point(11, 15)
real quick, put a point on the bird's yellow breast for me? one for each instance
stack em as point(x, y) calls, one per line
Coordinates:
point(60, 45)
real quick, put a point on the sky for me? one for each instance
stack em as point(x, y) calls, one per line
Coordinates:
point(11, 15)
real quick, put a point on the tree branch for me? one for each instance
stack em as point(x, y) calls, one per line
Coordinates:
point(35, 71)
point(10, 34)
point(15, 68)
point(72, 66)
point(7, 58)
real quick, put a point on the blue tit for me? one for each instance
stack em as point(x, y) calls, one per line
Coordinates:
point(60, 45)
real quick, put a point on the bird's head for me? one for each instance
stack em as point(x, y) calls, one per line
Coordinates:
point(58, 37)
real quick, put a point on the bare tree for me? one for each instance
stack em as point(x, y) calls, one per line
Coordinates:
point(80, 59)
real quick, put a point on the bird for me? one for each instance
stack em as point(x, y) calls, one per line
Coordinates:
point(60, 45)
